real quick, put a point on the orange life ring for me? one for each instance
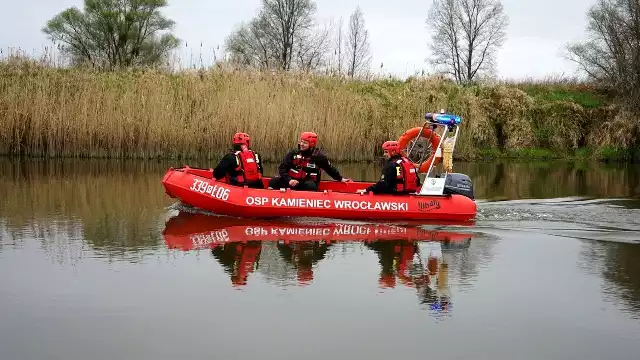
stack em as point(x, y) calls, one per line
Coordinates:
point(434, 139)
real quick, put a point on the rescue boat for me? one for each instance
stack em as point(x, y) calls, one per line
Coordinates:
point(188, 231)
point(448, 196)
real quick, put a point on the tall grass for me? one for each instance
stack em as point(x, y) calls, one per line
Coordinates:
point(52, 111)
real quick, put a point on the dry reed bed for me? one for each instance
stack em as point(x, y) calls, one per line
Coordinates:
point(57, 112)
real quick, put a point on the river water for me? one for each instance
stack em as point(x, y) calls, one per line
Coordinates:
point(97, 262)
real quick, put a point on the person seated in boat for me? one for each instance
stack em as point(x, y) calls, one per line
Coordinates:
point(399, 175)
point(301, 168)
point(241, 166)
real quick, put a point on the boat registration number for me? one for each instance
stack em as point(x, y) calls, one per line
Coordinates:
point(215, 191)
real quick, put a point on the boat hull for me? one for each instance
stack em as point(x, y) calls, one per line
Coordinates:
point(338, 200)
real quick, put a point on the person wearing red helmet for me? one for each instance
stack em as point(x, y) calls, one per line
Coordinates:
point(241, 166)
point(399, 175)
point(301, 168)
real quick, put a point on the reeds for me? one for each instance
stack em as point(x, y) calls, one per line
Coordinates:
point(48, 111)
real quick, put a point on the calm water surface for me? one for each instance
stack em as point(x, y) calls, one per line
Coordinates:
point(97, 263)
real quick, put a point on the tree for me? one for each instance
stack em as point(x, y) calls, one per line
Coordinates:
point(611, 55)
point(114, 33)
point(467, 34)
point(251, 44)
point(358, 52)
point(339, 47)
point(275, 34)
point(312, 49)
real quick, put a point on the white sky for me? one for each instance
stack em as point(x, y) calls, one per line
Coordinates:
point(397, 29)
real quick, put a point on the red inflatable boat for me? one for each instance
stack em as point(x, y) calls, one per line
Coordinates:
point(197, 231)
point(445, 197)
point(197, 188)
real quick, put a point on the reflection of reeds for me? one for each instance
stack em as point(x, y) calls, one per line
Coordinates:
point(618, 264)
point(118, 207)
point(549, 180)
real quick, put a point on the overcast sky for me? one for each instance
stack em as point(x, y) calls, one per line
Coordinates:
point(398, 33)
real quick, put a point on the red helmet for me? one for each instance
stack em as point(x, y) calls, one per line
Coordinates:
point(310, 137)
point(305, 275)
point(392, 147)
point(241, 139)
point(387, 280)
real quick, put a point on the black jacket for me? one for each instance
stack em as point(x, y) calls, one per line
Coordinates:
point(388, 179)
point(318, 156)
point(228, 165)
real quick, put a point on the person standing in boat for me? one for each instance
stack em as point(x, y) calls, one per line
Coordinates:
point(399, 175)
point(301, 168)
point(241, 166)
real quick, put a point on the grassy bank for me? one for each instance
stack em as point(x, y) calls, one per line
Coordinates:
point(79, 113)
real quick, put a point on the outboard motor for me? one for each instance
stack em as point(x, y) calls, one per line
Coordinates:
point(459, 184)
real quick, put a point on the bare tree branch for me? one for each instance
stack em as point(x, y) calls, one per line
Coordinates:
point(466, 36)
point(339, 52)
point(358, 48)
point(312, 49)
point(273, 39)
point(611, 53)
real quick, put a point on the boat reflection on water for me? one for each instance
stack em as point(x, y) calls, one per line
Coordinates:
point(423, 265)
point(408, 254)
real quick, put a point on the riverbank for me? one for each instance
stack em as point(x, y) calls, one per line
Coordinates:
point(149, 114)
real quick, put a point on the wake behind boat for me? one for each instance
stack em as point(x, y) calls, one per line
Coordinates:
point(445, 197)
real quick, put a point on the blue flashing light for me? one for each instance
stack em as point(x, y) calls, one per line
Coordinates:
point(440, 307)
point(444, 119)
